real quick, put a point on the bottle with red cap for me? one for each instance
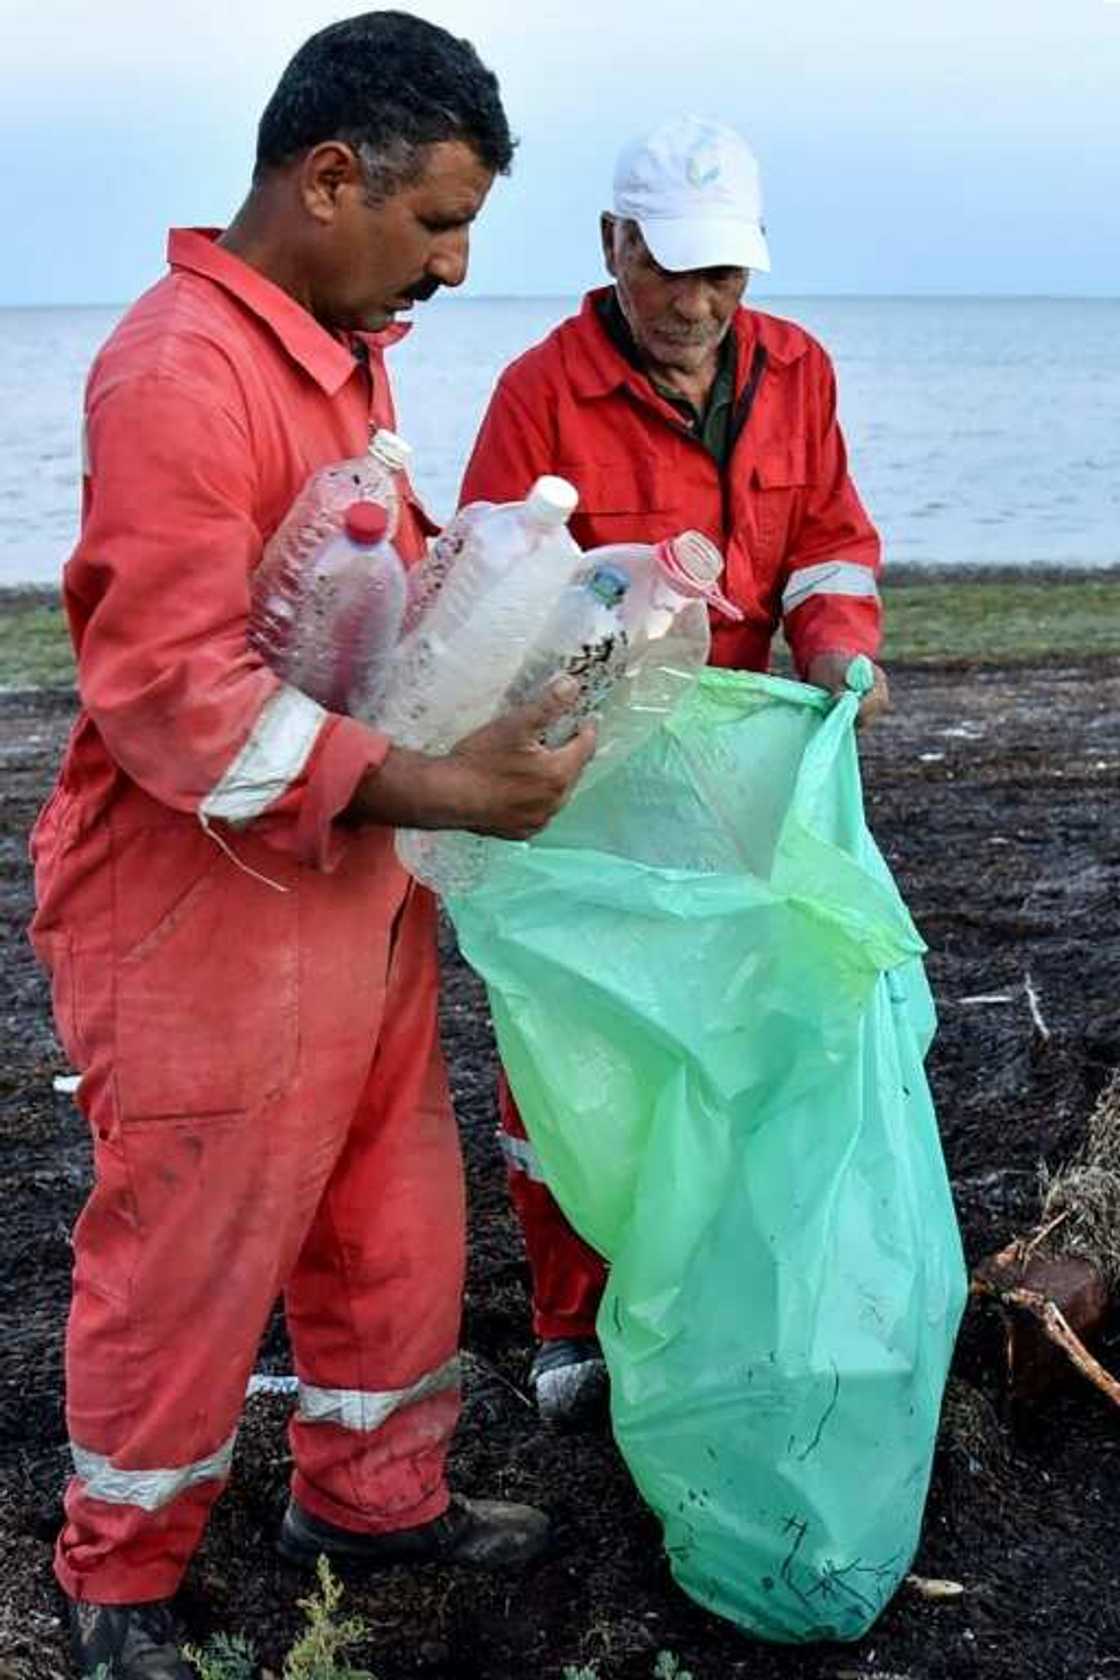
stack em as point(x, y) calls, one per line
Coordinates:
point(314, 517)
point(342, 623)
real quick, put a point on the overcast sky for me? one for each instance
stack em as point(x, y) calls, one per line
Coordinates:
point(906, 145)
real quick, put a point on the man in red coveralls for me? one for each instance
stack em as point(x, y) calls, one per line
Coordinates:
point(671, 407)
point(241, 971)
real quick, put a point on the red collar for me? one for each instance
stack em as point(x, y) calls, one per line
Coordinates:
point(596, 366)
point(328, 360)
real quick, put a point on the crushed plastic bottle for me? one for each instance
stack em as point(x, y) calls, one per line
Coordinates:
point(584, 638)
point(633, 628)
point(348, 614)
point(313, 518)
point(487, 594)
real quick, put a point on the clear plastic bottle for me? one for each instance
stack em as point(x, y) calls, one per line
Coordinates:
point(663, 578)
point(348, 616)
point(656, 622)
point(585, 638)
point(313, 518)
point(673, 584)
point(495, 593)
point(426, 579)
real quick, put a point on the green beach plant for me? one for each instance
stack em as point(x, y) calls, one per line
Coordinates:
point(225, 1657)
point(668, 1667)
point(318, 1653)
point(327, 1639)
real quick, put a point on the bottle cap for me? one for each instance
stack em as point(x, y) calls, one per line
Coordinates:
point(390, 449)
point(551, 501)
point(609, 584)
point(692, 565)
point(365, 523)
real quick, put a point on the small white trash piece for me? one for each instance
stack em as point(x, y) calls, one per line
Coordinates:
point(935, 1591)
point(264, 1382)
point(66, 1084)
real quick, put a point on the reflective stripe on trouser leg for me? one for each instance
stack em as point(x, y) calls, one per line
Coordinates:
point(373, 1304)
point(568, 1275)
point(151, 1490)
point(364, 1411)
point(172, 1289)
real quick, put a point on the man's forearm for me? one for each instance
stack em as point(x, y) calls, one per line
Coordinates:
point(500, 780)
point(414, 790)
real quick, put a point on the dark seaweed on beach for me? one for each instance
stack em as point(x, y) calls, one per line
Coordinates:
point(993, 793)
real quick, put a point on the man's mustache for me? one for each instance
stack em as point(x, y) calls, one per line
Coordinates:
point(697, 336)
point(423, 290)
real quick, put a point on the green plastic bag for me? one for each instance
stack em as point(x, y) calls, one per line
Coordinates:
point(708, 997)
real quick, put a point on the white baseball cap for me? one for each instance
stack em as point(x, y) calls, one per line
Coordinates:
point(692, 187)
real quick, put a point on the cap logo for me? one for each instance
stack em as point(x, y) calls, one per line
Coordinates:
point(703, 167)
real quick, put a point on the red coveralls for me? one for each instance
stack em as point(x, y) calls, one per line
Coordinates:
point(800, 552)
point(247, 987)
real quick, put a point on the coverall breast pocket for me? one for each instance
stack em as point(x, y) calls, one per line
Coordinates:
point(620, 501)
point(778, 483)
point(206, 1008)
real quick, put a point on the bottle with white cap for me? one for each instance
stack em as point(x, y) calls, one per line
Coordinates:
point(633, 630)
point(583, 638)
point(498, 571)
point(316, 516)
point(385, 460)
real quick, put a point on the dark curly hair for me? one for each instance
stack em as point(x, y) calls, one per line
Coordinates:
point(389, 85)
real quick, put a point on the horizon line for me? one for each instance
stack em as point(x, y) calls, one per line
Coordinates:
point(931, 296)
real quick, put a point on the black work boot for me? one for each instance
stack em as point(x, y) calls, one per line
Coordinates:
point(126, 1642)
point(569, 1379)
point(488, 1533)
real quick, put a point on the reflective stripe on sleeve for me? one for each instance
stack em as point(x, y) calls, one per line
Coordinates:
point(365, 1410)
point(521, 1156)
point(149, 1489)
point(831, 577)
point(278, 747)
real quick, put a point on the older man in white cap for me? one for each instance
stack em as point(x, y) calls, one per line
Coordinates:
point(671, 407)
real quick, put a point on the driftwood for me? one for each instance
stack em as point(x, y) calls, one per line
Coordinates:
point(1055, 1285)
point(1047, 1303)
